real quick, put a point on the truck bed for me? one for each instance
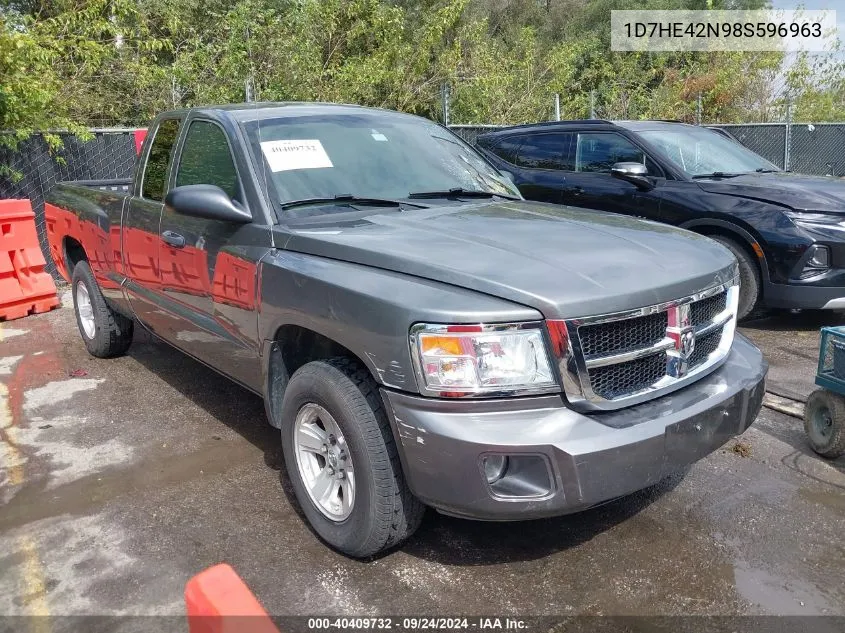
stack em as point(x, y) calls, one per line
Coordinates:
point(87, 213)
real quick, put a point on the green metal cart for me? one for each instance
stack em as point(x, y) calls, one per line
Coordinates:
point(824, 414)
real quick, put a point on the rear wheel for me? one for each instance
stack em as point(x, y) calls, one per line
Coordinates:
point(824, 422)
point(342, 460)
point(749, 276)
point(105, 332)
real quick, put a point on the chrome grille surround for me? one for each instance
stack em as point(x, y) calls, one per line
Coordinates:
point(629, 375)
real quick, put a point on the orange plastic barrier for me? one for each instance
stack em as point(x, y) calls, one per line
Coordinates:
point(218, 601)
point(24, 285)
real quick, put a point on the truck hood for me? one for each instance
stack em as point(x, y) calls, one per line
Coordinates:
point(565, 262)
point(796, 191)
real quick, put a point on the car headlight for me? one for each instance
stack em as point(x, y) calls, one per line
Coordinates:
point(481, 360)
point(817, 220)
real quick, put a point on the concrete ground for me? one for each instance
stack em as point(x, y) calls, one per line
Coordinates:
point(120, 479)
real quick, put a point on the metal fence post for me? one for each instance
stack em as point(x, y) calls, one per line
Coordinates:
point(592, 104)
point(557, 107)
point(787, 137)
point(444, 97)
point(698, 110)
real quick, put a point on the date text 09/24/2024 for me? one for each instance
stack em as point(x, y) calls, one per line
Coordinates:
point(485, 623)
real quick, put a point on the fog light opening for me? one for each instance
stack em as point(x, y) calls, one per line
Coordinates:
point(818, 261)
point(495, 467)
point(820, 257)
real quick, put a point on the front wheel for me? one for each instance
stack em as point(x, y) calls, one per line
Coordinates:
point(342, 460)
point(824, 422)
point(749, 276)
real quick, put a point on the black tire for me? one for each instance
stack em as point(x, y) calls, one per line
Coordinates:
point(824, 423)
point(384, 512)
point(113, 331)
point(749, 276)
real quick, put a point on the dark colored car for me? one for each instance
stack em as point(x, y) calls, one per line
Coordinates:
point(420, 334)
point(786, 230)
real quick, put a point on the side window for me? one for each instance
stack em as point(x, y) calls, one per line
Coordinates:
point(154, 180)
point(508, 147)
point(547, 151)
point(206, 159)
point(598, 152)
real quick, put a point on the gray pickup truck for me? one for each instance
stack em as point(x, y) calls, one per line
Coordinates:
point(421, 335)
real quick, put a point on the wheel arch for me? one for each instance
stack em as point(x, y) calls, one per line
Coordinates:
point(73, 252)
point(743, 237)
point(291, 347)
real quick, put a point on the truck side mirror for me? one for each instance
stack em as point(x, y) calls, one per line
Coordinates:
point(635, 173)
point(206, 201)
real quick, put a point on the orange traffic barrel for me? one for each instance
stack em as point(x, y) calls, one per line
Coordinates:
point(218, 601)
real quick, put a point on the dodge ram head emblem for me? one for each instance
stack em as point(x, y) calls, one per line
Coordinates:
point(687, 342)
point(683, 337)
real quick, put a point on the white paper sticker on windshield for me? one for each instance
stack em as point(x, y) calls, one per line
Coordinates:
point(295, 154)
point(378, 136)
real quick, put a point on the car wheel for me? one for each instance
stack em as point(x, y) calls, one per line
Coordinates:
point(342, 460)
point(824, 422)
point(749, 276)
point(105, 332)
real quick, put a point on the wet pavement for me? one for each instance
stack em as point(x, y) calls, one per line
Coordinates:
point(120, 479)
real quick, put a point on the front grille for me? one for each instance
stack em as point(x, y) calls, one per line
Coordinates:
point(620, 336)
point(705, 346)
point(614, 360)
point(704, 311)
point(613, 381)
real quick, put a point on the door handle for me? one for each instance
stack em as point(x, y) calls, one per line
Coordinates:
point(173, 239)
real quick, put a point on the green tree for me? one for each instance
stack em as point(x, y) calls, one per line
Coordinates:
point(76, 63)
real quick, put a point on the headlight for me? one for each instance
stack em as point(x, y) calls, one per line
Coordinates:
point(481, 360)
point(817, 220)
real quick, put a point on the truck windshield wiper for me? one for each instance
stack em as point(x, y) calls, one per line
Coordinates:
point(720, 174)
point(349, 199)
point(765, 170)
point(458, 192)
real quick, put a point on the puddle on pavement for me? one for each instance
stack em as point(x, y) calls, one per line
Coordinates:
point(93, 491)
point(779, 596)
point(832, 500)
point(820, 470)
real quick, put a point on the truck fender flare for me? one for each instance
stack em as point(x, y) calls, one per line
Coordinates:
point(275, 379)
point(275, 374)
point(729, 229)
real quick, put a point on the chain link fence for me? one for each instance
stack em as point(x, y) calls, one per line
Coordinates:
point(36, 169)
point(807, 148)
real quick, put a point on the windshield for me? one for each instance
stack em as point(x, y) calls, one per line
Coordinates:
point(366, 155)
point(699, 151)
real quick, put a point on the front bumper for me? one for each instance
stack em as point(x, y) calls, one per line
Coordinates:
point(588, 458)
point(804, 295)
